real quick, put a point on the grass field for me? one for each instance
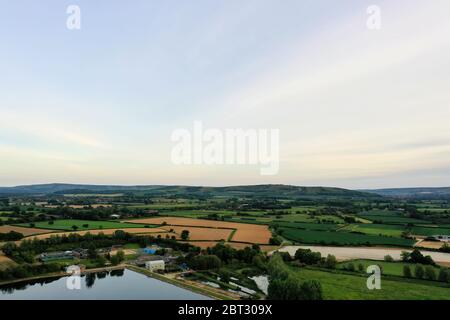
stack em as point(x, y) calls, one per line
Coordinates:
point(392, 217)
point(165, 205)
point(430, 231)
point(86, 195)
point(307, 226)
point(341, 238)
point(297, 218)
point(377, 229)
point(66, 224)
point(395, 219)
point(380, 213)
point(244, 219)
point(389, 268)
point(286, 219)
point(6, 218)
point(340, 286)
point(197, 213)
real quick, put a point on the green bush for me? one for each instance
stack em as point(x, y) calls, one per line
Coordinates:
point(430, 274)
point(307, 256)
point(407, 271)
point(419, 272)
point(444, 275)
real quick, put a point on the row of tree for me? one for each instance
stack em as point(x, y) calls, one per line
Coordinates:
point(427, 272)
point(11, 236)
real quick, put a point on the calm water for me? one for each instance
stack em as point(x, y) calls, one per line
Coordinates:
point(115, 285)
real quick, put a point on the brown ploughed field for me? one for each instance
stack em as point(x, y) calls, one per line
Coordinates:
point(23, 230)
point(245, 232)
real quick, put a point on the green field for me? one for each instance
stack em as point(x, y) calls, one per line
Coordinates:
point(166, 205)
point(379, 213)
point(197, 213)
point(66, 224)
point(87, 195)
point(340, 286)
point(304, 209)
point(255, 220)
point(307, 226)
point(430, 231)
point(341, 238)
point(389, 268)
point(376, 229)
point(301, 217)
point(6, 218)
point(393, 218)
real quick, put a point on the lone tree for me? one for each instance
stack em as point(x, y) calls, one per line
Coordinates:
point(75, 228)
point(330, 262)
point(185, 234)
point(417, 257)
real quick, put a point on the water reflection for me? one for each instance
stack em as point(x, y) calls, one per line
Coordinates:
point(114, 285)
point(117, 273)
point(90, 280)
point(9, 288)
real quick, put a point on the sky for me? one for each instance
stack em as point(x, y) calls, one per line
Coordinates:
point(355, 107)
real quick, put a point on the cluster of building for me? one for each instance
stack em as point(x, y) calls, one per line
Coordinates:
point(60, 255)
point(153, 257)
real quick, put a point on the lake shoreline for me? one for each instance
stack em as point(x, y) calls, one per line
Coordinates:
point(183, 284)
point(211, 293)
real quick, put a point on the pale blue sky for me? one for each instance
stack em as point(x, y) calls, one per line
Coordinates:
point(356, 108)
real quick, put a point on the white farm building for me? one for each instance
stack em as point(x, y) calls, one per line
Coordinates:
point(155, 265)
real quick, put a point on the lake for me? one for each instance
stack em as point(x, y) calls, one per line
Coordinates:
point(115, 285)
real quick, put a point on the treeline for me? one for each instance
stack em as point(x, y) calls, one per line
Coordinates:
point(427, 273)
point(28, 270)
point(28, 249)
point(100, 213)
point(24, 215)
point(11, 236)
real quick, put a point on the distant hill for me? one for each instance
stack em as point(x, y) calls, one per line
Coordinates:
point(414, 193)
point(268, 190)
